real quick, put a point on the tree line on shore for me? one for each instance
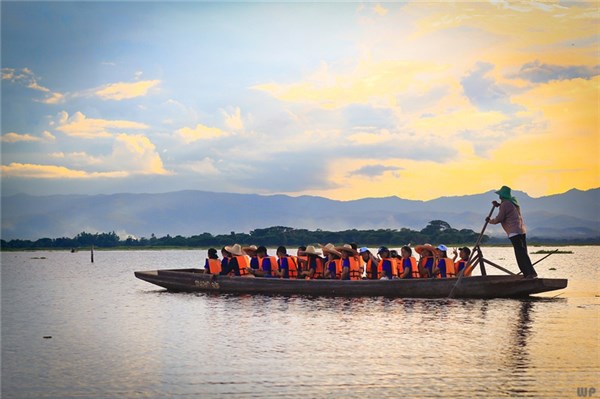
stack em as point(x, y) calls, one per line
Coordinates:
point(437, 231)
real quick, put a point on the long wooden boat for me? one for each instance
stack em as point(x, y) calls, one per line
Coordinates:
point(194, 280)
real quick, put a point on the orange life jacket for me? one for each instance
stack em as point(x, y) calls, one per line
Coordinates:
point(214, 266)
point(449, 268)
point(302, 260)
point(462, 264)
point(414, 268)
point(354, 268)
point(396, 266)
point(380, 266)
point(423, 261)
point(273, 261)
point(319, 271)
point(338, 267)
point(243, 263)
point(292, 266)
point(368, 266)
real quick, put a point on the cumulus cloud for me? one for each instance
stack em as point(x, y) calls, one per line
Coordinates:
point(234, 120)
point(538, 72)
point(137, 154)
point(124, 91)
point(131, 155)
point(79, 158)
point(13, 137)
point(200, 132)
point(78, 125)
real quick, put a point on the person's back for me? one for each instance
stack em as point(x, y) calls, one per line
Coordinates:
point(509, 217)
point(212, 264)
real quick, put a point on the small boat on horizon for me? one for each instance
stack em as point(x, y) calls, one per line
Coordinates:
point(497, 286)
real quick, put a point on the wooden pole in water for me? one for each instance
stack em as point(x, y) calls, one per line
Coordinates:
point(475, 249)
point(92, 253)
point(539, 260)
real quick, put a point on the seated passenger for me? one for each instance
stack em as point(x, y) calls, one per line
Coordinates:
point(302, 259)
point(371, 264)
point(287, 264)
point(464, 254)
point(314, 263)
point(396, 262)
point(349, 262)
point(267, 265)
point(385, 265)
point(237, 262)
point(409, 268)
point(251, 252)
point(426, 260)
point(225, 261)
point(333, 266)
point(212, 264)
point(445, 265)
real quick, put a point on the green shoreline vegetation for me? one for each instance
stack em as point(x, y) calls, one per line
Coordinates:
point(436, 232)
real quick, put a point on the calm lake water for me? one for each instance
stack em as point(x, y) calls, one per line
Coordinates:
point(114, 336)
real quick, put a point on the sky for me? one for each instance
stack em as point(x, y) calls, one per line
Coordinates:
point(342, 100)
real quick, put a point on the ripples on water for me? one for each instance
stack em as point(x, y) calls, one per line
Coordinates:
point(116, 336)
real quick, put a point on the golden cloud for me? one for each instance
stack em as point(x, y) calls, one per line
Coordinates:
point(234, 120)
point(78, 125)
point(35, 171)
point(16, 137)
point(200, 132)
point(137, 154)
point(123, 91)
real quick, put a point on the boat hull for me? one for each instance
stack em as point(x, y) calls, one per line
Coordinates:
point(195, 280)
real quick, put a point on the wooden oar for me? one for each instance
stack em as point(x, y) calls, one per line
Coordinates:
point(462, 272)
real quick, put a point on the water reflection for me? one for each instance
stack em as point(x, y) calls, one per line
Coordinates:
point(115, 336)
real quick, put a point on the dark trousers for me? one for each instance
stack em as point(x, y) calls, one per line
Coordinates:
point(520, 245)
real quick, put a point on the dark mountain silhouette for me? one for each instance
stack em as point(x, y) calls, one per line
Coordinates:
point(574, 214)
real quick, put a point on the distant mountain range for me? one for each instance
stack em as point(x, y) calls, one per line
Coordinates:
point(571, 215)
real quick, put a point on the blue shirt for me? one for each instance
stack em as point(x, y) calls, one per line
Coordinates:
point(254, 262)
point(429, 266)
point(332, 269)
point(312, 262)
point(406, 264)
point(283, 266)
point(266, 266)
point(442, 267)
point(346, 263)
point(386, 268)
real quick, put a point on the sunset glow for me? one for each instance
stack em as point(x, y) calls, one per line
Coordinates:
point(343, 100)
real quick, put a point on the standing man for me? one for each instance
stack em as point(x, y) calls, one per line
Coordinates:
point(509, 216)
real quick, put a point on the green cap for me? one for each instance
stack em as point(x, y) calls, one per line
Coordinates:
point(505, 193)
